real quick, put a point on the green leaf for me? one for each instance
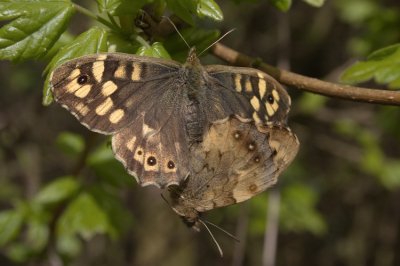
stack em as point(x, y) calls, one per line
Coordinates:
point(182, 9)
point(383, 64)
point(91, 41)
point(121, 7)
point(298, 211)
point(282, 5)
point(71, 144)
point(311, 103)
point(10, 224)
point(156, 50)
point(116, 44)
point(389, 175)
point(316, 3)
point(208, 8)
point(120, 219)
point(19, 252)
point(106, 167)
point(84, 217)
point(35, 27)
point(178, 49)
point(58, 190)
point(68, 245)
point(37, 235)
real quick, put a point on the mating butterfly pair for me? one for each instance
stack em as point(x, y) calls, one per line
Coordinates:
point(214, 134)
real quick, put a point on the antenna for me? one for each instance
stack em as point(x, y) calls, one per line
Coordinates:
point(217, 41)
point(219, 248)
point(170, 21)
point(229, 234)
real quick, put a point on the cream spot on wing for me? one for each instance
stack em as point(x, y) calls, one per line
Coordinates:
point(262, 86)
point(137, 69)
point(248, 86)
point(102, 57)
point(256, 118)
point(73, 86)
point(151, 162)
point(120, 72)
point(139, 155)
point(147, 130)
point(82, 109)
point(103, 108)
point(276, 95)
point(255, 103)
point(238, 86)
point(131, 144)
point(98, 70)
point(270, 110)
point(177, 147)
point(74, 74)
point(275, 106)
point(82, 92)
point(116, 116)
point(266, 117)
point(109, 88)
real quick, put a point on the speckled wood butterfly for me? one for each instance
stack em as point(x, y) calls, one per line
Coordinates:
point(236, 161)
point(157, 108)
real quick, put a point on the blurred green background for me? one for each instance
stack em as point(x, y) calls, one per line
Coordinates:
point(64, 199)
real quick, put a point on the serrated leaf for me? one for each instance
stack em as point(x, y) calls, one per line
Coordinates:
point(208, 8)
point(121, 7)
point(195, 37)
point(316, 3)
point(71, 144)
point(106, 167)
point(180, 9)
point(91, 41)
point(84, 217)
point(10, 224)
point(383, 64)
point(35, 27)
point(116, 44)
point(282, 5)
point(58, 190)
point(156, 50)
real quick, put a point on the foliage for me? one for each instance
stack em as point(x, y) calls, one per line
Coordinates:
point(82, 203)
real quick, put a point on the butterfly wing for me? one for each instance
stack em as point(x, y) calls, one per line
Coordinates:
point(236, 161)
point(247, 92)
point(135, 98)
point(105, 91)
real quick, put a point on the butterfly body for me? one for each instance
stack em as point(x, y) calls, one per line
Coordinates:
point(236, 161)
point(157, 108)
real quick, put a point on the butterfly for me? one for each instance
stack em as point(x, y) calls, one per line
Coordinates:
point(157, 108)
point(236, 161)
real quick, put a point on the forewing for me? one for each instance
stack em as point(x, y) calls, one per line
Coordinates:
point(239, 166)
point(247, 92)
point(107, 91)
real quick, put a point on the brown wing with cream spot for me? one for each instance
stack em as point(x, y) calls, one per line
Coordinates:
point(237, 161)
point(153, 148)
point(107, 91)
point(249, 93)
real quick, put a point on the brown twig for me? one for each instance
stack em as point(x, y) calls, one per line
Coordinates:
point(386, 97)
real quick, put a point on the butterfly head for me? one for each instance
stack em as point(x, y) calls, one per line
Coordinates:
point(192, 55)
point(184, 208)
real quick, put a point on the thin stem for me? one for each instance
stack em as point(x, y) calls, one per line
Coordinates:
point(98, 18)
point(386, 97)
point(140, 40)
point(111, 18)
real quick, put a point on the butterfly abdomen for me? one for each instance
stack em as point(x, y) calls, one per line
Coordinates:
point(194, 121)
